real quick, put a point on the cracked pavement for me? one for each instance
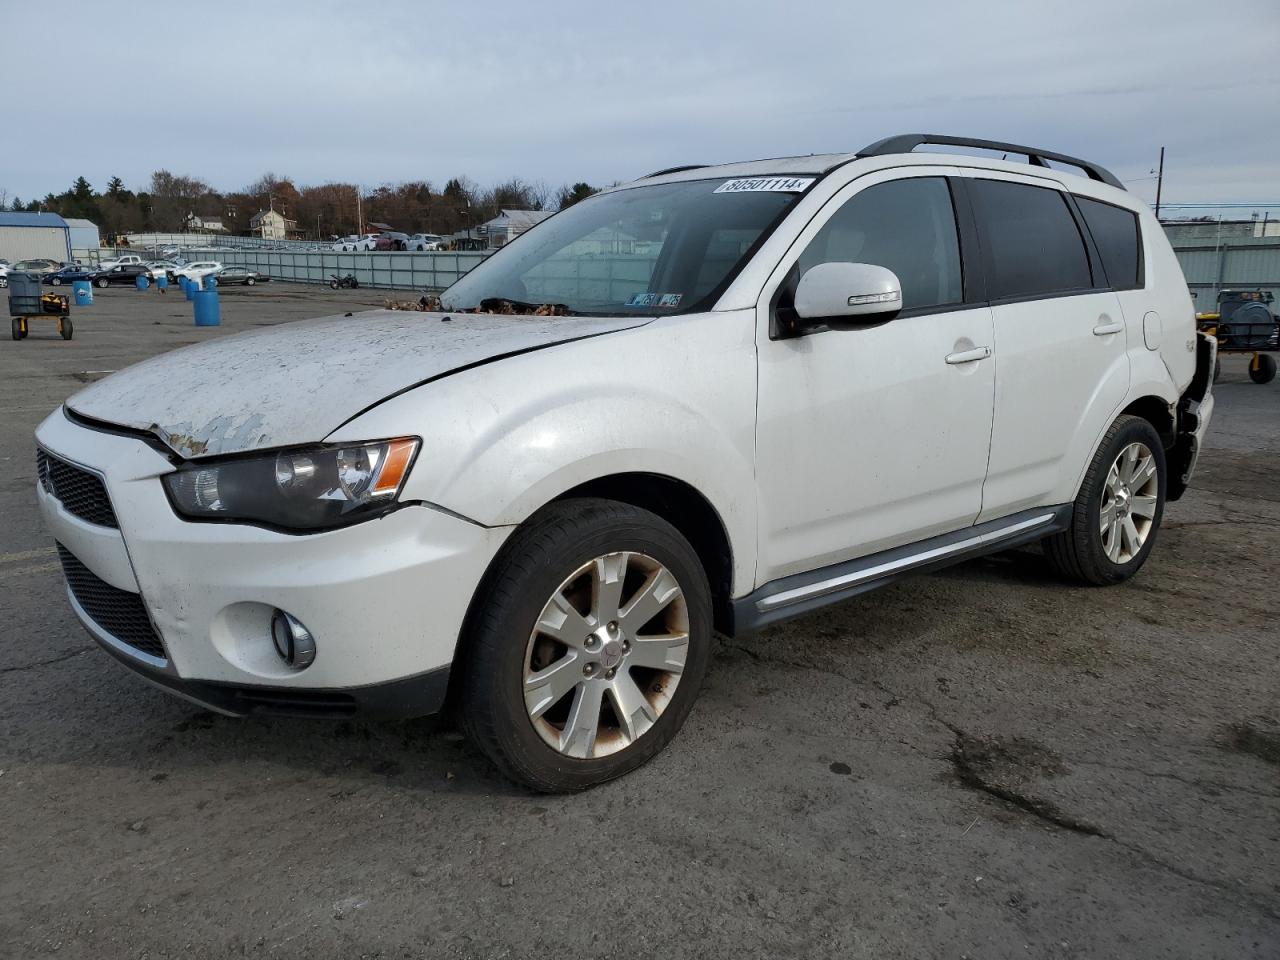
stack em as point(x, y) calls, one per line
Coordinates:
point(984, 762)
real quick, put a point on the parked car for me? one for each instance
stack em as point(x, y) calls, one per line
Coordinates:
point(4, 273)
point(35, 265)
point(367, 241)
point(66, 274)
point(399, 241)
point(162, 268)
point(423, 241)
point(385, 243)
point(240, 275)
point(121, 274)
point(121, 259)
point(345, 244)
point(198, 270)
point(845, 368)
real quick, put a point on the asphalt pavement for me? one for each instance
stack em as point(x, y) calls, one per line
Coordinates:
point(981, 763)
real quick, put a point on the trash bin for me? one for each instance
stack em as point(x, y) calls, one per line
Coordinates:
point(162, 283)
point(141, 281)
point(207, 309)
point(82, 291)
point(24, 294)
point(189, 287)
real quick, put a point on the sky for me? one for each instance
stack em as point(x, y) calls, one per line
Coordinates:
point(557, 92)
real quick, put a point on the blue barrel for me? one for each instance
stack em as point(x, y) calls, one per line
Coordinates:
point(82, 290)
point(208, 311)
point(210, 282)
point(162, 282)
point(141, 282)
point(189, 287)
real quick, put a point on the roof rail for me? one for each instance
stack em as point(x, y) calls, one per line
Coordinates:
point(905, 143)
point(661, 173)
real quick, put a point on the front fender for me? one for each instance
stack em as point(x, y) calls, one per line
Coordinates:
point(503, 439)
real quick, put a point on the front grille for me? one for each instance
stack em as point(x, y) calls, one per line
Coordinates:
point(118, 612)
point(79, 491)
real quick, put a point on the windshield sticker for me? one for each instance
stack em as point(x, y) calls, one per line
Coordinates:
point(765, 185)
point(642, 300)
point(670, 299)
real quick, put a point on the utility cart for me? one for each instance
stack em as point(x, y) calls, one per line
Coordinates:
point(27, 302)
point(1244, 323)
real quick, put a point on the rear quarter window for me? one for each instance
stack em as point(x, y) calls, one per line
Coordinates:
point(1117, 236)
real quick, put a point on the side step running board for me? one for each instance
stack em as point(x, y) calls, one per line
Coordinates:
point(805, 592)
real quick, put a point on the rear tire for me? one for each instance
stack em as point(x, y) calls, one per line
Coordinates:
point(333, 284)
point(15, 328)
point(575, 737)
point(1266, 371)
point(103, 283)
point(66, 328)
point(56, 281)
point(249, 281)
point(1103, 554)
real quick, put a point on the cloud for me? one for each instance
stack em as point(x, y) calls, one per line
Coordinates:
point(566, 91)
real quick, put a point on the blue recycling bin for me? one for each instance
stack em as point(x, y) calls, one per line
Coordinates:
point(82, 291)
point(207, 309)
point(189, 287)
point(209, 282)
point(162, 283)
point(141, 281)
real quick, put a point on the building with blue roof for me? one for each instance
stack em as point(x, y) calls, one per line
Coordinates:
point(27, 235)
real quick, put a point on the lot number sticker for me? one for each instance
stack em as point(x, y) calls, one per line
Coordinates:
point(765, 185)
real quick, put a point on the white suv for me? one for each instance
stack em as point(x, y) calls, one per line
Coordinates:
point(710, 399)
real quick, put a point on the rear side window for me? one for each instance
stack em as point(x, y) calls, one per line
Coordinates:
point(1115, 234)
point(908, 226)
point(1033, 246)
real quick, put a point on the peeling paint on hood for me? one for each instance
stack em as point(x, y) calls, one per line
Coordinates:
point(298, 382)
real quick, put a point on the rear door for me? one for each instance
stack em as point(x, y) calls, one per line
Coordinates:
point(1061, 369)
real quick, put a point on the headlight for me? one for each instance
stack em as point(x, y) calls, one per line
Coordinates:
point(305, 489)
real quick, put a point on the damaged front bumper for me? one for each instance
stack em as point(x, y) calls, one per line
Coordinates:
point(1195, 408)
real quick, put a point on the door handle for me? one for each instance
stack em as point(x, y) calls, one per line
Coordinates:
point(969, 356)
point(1104, 329)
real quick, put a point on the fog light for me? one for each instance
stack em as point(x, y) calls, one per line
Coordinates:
point(293, 641)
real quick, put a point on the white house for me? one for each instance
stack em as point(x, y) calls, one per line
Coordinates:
point(196, 223)
point(509, 224)
point(272, 225)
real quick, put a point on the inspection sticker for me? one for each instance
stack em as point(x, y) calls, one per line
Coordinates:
point(765, 185)
point(642, 300)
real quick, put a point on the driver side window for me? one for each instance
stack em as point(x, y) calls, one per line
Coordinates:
point(908, 226)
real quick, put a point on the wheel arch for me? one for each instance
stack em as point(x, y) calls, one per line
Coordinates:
point(1158, 412)
point(689, 511)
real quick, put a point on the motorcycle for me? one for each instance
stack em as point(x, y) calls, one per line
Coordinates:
point(349, 280)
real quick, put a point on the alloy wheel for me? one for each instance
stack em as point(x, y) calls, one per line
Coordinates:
point(605, 655)
point(1129, 499)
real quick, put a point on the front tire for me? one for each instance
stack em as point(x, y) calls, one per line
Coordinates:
point(249, 281)
point(103, 283)
point(587, 645)
point(1117, 513)
point(56, 281)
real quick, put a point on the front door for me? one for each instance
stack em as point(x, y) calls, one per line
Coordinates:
point(873, 437)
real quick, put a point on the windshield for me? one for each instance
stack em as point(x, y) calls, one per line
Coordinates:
point(665, 248)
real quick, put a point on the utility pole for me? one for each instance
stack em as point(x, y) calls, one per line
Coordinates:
point(1159, 182)
point(359, 212)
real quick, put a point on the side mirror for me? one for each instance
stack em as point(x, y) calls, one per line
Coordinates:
point(831, 291)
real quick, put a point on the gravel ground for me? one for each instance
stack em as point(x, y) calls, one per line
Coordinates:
point(980, 763)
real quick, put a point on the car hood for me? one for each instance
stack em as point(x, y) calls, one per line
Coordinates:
point(298, 382)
